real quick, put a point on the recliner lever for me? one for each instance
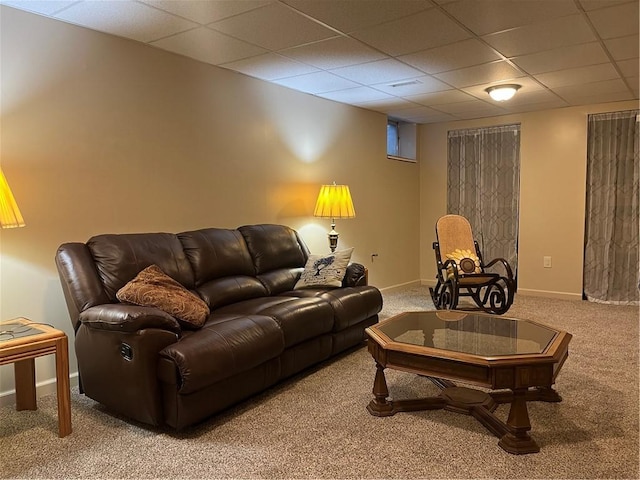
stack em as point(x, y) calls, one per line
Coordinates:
point(126, 351)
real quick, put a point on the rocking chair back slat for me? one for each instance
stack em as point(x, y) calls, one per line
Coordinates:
point(454, 232)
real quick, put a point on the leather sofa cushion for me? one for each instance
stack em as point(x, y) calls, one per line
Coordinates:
point(119, 258)
point(273, 247)
point(299, 318)
point(216, 253)
point(350, 305)
point(225, 346)
point(281, 280)
point(224, 291)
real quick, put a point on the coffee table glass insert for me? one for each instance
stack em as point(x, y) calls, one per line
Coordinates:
point(517, 360)
point(472, 333)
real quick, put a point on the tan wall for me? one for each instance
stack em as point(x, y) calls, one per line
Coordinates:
point(100, 134)
point(553, 153)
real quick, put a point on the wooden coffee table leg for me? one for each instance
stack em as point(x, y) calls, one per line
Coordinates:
point(379, 406)
point(517, 439)
point(63, 387)
point(25, 373)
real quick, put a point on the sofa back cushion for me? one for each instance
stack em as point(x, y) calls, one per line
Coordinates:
point(278, 255)
point(273, 247)
point(120, 257)
point(216, 253)
point(223, 268)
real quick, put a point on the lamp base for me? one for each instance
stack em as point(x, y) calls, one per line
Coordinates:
point(333, 240)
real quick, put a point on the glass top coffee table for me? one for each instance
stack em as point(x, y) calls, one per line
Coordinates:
point(519, 359)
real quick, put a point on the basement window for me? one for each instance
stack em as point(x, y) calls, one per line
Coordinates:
point(401, 140)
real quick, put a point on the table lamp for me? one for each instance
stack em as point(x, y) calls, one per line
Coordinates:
point(10, 216)
point(334, 201)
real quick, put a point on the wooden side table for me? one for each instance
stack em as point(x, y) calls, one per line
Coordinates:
point(21, 341)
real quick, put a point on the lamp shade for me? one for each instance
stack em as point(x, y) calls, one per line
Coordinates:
point(334, 201)
point(10, 216)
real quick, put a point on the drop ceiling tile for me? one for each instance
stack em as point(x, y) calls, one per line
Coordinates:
point(576, 76)
point(535, 106)
point(334, 53)
point(477, 106)
point(596, 4)
point(497, 15)
point(538, 37)
point(435, 118)
point(534, 97)
point(602, 98)
point(451, 57)
point(206, 11)
point(348, 16)
point(43, 7)
point(387, 105)
point(634, 82)
point(576, 94)
point(562, 58)
point(319, 82)
point(623, 48)
point(629, 68)
point(273, 27)
point(270, 66)
point(480, 74)
point(355, 95)
point(377, 72)
point(424, 30)
point(617, 21)
point(476, 115)
point(439, 98)
point(413, 86)
point(125, 19)
point(415, 111)
point(208, 46)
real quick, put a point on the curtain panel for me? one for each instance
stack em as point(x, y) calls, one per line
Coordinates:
point(483, 185)
point(611, 260)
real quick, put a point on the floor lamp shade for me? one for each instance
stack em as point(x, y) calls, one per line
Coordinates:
point(334, 201)
point(10, 216)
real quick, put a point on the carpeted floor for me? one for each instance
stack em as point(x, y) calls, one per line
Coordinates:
point(316, 425)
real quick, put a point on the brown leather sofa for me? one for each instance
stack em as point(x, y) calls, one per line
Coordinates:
point(143, 364)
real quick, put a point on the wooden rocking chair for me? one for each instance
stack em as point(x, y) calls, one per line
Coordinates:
point(462, 271)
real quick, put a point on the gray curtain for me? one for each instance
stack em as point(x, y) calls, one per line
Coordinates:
point(611, 269)
point(483, 185)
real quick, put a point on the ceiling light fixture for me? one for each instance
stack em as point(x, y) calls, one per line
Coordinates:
point(500, 93)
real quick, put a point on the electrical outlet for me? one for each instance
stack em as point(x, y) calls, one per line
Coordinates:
point(546, 262)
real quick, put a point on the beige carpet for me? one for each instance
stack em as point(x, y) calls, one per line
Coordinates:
point(316, 425)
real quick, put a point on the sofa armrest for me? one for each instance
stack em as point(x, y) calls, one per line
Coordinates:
point(355, 276)
point(127, 318)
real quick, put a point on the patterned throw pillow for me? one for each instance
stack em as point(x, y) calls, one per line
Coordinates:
point(325, 270)
point(153, 288)
point(466, 260)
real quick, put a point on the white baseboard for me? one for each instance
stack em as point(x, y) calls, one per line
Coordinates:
point(43, 388)
point(549, 294)
point(401, 287)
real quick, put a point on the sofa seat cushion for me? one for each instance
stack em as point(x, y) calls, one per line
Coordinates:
point(351, 305)
point(225, 346)
point(299, 318)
